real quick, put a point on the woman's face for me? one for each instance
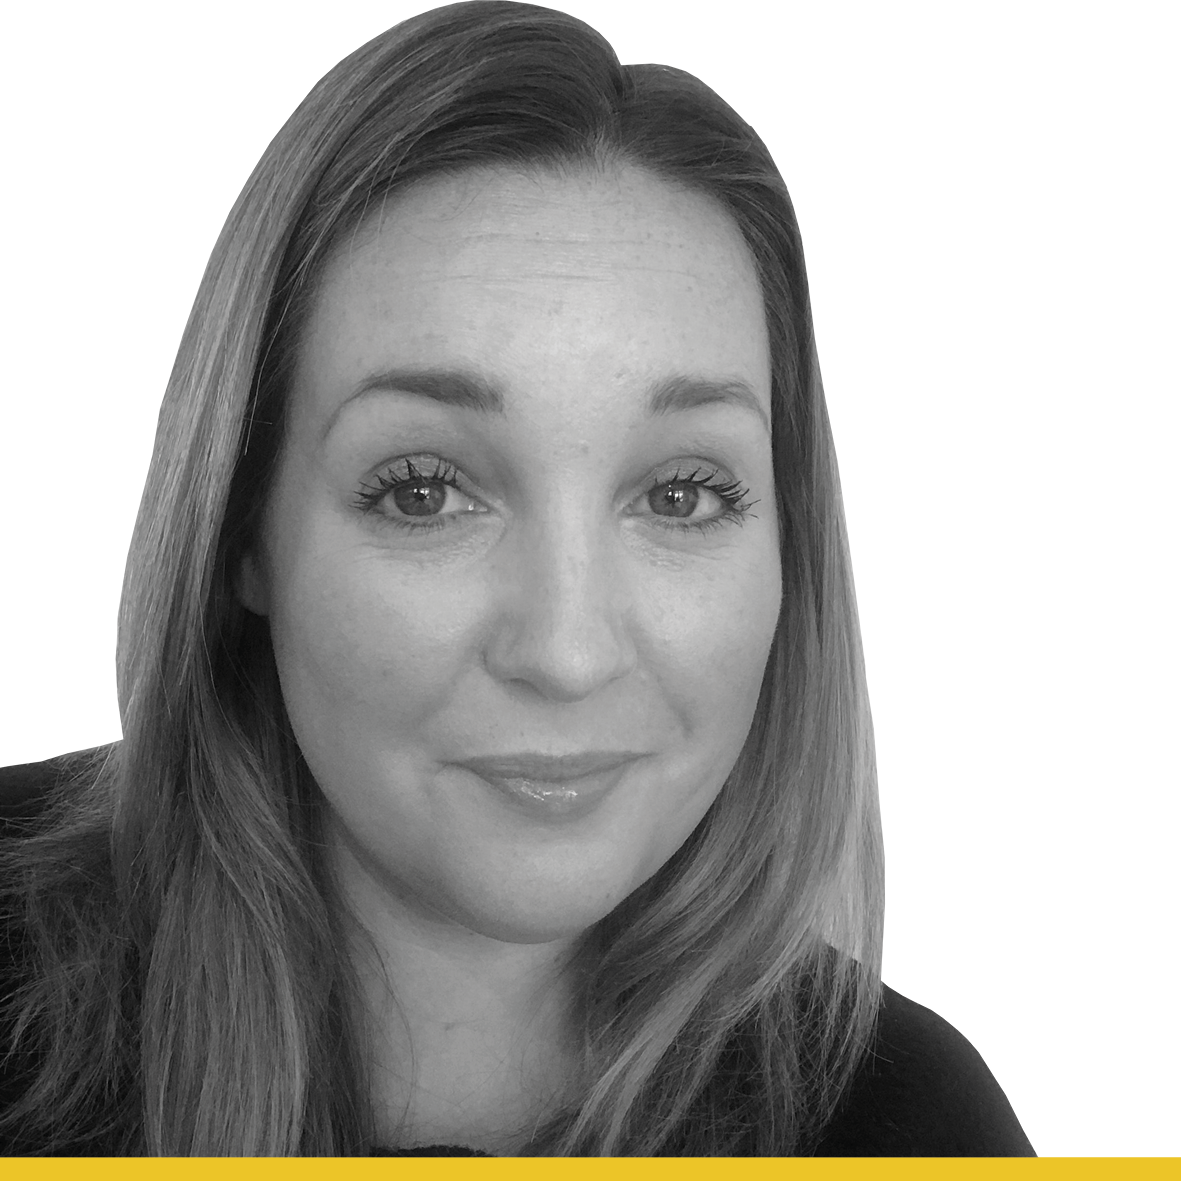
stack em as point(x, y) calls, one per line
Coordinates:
point(509, 564)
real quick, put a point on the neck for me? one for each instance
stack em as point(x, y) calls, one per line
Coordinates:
point(470, 1038)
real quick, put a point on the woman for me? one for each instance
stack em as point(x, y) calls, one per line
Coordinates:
point(497, 768)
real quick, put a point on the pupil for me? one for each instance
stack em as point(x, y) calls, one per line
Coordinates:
point(683, 499)
point(424, 497)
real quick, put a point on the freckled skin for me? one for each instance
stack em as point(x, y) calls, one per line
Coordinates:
point(560, 615)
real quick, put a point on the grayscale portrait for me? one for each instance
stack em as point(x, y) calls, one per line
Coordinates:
point(497, 771)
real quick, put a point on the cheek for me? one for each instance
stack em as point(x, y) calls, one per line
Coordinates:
point(361, 640)
point(721, 625)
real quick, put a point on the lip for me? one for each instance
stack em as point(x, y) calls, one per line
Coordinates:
point(571, 786)
point(549, 768)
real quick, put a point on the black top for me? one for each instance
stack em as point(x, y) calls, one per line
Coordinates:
point(922, 1091)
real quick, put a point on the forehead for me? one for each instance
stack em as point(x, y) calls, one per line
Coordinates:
point(595, 280)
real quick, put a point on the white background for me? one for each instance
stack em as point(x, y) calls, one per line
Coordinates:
point(989, 199)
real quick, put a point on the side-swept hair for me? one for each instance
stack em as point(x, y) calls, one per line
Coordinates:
point(184, 971)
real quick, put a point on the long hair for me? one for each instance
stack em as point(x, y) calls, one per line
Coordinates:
point(186, 986)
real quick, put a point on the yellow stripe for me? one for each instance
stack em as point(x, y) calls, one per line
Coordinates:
point(619, 1169)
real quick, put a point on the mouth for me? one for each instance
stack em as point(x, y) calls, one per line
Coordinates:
point(551, 769)
point(561, 792)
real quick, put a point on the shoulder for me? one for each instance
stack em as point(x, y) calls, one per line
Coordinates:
point(923, 1090)
point(25, 788)
point(27, 794)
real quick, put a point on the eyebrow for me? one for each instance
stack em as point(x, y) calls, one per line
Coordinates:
point(473, 391)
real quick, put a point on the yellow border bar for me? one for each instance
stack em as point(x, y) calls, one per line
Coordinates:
point(616, 1169)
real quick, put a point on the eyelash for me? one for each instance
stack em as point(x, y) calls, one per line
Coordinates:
point(369, 496)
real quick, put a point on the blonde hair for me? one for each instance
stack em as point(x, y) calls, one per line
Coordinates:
point(180, 937)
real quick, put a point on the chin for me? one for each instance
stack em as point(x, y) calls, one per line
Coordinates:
point(545, 915)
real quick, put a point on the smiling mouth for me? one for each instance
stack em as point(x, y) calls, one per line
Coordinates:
point(549, 768)
point(557, 798)
point(540, 790)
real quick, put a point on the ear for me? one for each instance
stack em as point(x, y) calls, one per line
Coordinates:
point(250, 585)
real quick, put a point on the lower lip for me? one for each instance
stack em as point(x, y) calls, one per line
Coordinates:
point(568, 799)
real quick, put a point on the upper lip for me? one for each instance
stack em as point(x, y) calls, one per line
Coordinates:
point(551, 768)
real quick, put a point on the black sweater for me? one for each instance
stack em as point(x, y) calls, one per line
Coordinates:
point(922, 1091)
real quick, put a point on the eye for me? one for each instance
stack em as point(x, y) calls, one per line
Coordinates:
point(675, 500)
point(414, 499)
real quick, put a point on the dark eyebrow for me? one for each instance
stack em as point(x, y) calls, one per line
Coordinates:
point(472, 391)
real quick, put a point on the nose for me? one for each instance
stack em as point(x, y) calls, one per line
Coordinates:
point(564, 602)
